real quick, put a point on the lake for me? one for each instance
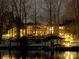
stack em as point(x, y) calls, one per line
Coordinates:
point(7, 54)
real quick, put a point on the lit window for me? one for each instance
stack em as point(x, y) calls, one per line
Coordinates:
point(51, 30)
point(61, 27)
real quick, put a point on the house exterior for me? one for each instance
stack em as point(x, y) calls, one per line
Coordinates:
point(70, 39)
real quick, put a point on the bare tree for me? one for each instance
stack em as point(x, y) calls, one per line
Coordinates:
point(3, 22)
point(53, 9)
point(21, 11)
point(76, 9)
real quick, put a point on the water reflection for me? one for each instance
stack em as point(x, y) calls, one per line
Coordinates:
point(8, 57)
point(69, 55)
point(66, 55)
point(40, 55)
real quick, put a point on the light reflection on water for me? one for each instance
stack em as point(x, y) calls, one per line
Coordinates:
point(40, 55)
point(66, 55)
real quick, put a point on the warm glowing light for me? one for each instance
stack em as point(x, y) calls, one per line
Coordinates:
point(67, 44)
point(22, 32)
point(40, 31)
point(8, 57)
point(69, 55)
point(30, 30)
point(6, 36)
point(51, 30)
point(61, 34)
point(61, 27)
point(68, 39)
point(11, 33)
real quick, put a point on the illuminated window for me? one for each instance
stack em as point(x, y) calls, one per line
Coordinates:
point(61, 27)
point(51, 30)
